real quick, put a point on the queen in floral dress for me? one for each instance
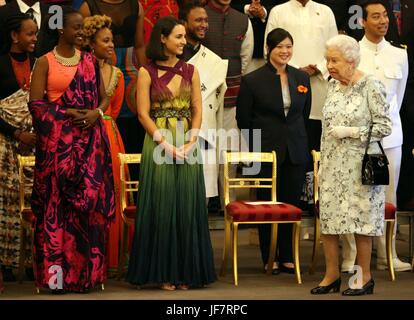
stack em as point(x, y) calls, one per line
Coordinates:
point(355, 102)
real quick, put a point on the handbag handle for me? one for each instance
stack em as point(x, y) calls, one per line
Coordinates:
point(369, 139)
point(369, 135)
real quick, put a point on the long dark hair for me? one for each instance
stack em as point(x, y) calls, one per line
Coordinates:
point(155, 48)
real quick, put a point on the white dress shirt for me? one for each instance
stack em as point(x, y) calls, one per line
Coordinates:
point(310, 26)
point(388, 64)
point(246, 51)
point(36, 10)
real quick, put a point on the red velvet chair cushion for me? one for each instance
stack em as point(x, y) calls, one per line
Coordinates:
point(246, 211)
point(389, 211)
point(130, 212)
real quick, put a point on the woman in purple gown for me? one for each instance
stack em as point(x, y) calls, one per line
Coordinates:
point(73, 193)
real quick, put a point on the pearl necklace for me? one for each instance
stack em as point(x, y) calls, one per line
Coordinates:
point(67, 62)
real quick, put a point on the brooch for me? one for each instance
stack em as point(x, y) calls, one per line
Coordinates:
point(302, 89)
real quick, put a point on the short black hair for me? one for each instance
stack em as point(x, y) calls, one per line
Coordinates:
point(275, 37)
point(164, 26)
point(366, 3)
point(187, 7)
point(14, 24)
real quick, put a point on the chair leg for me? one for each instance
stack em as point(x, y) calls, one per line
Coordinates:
point(235, 238)
point(295, 246)
point(226, 246)
point(412, 265)
point(316, 244)
point(272, 250)
point(123, 251)
point(389, 236)
point(22, 256)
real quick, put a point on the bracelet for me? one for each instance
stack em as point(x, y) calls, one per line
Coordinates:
point(100, 112)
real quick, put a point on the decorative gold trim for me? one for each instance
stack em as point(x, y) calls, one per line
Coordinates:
point(116, 73)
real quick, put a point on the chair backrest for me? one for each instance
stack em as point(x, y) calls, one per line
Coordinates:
point(249, 183)
point(127, 186)
point(25, 182)
point(316, 155)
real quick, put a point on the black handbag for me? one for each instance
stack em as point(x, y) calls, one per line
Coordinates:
point(375, 166)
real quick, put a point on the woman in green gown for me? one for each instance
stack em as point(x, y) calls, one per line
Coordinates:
point(171, 246)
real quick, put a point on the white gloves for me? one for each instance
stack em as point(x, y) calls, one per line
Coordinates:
point(340, 132)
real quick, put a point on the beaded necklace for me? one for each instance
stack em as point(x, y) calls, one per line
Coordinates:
point(67, 62)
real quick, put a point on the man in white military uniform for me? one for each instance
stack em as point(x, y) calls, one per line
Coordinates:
point(213, 71)
point(389, 64)
point(311, 24)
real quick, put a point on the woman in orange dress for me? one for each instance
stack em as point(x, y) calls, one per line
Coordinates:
point(98, 38)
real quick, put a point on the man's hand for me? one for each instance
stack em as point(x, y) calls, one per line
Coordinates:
point(311, 70)
point(257, 10)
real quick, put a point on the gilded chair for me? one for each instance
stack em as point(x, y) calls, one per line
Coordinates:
point(317, 226)
point(25, 165)
point(128, 206)
point(389, 217)
point(412, 262)
point(256, 212)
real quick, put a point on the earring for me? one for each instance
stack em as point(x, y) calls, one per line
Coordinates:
point(61, 32)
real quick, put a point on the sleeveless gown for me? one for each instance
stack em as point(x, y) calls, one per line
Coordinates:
point(171, 242)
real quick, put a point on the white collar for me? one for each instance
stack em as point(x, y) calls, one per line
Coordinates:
point(299, 5)
point(374, 46)
point(24, 7)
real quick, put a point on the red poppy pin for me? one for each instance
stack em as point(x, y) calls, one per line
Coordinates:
point(302, 89)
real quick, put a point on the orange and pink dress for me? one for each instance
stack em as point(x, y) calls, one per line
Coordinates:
point(115, 93)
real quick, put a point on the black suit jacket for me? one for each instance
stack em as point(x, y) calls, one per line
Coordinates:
point(258, 25)
point(46, 38)
point(260, 106)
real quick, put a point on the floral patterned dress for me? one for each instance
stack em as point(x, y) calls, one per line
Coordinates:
point(347, 206)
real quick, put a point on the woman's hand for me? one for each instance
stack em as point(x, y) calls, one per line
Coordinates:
point(187, 148)
point(83, 119)
point(172, 151)
point(27, 138)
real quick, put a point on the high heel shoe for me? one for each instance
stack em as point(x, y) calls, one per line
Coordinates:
point(334, 286)
point(285, 269)
point(367, 288)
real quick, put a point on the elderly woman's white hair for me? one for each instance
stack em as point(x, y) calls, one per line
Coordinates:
point(347, 45)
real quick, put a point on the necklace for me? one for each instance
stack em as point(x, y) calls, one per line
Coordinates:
point(67, 62)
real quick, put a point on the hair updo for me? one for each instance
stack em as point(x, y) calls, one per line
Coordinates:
point(91, 26)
